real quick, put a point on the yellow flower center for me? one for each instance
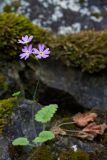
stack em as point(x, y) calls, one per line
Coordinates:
point(41, 53)
point(27, 52)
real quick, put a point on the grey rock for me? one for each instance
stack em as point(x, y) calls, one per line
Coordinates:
point(66, 143)
point(4, 154)
point(21, 124)
point(89, 90)
point(10, 79)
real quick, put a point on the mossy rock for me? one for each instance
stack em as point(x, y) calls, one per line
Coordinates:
point(13, 7)
point(3, 83)
point(12, 28)
point(104, 138)
point(71, 155)
point(16, 151)
point(41, 153)
point(6, 108)
point(85, 50)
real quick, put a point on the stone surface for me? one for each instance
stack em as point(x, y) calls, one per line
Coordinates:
point(89, 90)
point(22, 118)
point(10, 81)
point(66, 143)
point(21, 124)
point(69, 141)
point(64, 16)
point(4, 154)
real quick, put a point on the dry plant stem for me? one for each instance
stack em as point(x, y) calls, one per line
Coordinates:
point(67, 123)
point(73, 131)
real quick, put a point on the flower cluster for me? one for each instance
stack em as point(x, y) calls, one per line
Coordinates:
point(39, 53)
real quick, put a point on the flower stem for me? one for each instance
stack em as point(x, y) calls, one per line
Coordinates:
point(44, 126)
point(35, 92)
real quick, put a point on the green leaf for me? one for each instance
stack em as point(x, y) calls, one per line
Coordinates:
point(44, 136)
point(20, 141)
point(15, 94)
point(46, 113)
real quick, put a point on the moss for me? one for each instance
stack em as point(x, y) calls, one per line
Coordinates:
point(3, 82)
point(6, 108)
point(85, 50)
point(15, 152)
point(96, 14)
point(71, 155)
point(41, 153)
point(81, 1)
point(98, 155)
point(13, 27)
point(104, 138)
point(13, 7)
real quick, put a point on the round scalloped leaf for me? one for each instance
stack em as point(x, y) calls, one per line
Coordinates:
point(46, 113)
point(15, 94)
point(44, 136)
point(20, 141)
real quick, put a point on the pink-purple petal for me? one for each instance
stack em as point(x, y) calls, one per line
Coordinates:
point(26, 57)
point(39, 56)
point(45, 56)
point(30, 48)
point(26, 38)
point(40, 46)
point(30, 38)
point(46, 51)
point(24, 49)
point(20, 41)
point(23, 38)
point(22, 55)
point(35, 51)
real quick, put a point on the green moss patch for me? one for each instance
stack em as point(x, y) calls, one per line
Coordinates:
point(71, 155)
point(3, 82)
point(41, 153)
point(6, 108)
point(85, 50)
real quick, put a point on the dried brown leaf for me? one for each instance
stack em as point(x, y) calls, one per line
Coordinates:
point(58, 131)
point(82, 119)
point(93, 128)
point(91, 131)
point(85, 135)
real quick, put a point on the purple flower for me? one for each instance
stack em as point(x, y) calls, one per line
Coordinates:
point(27, 51)
point(25, 39)
point(40, 52)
